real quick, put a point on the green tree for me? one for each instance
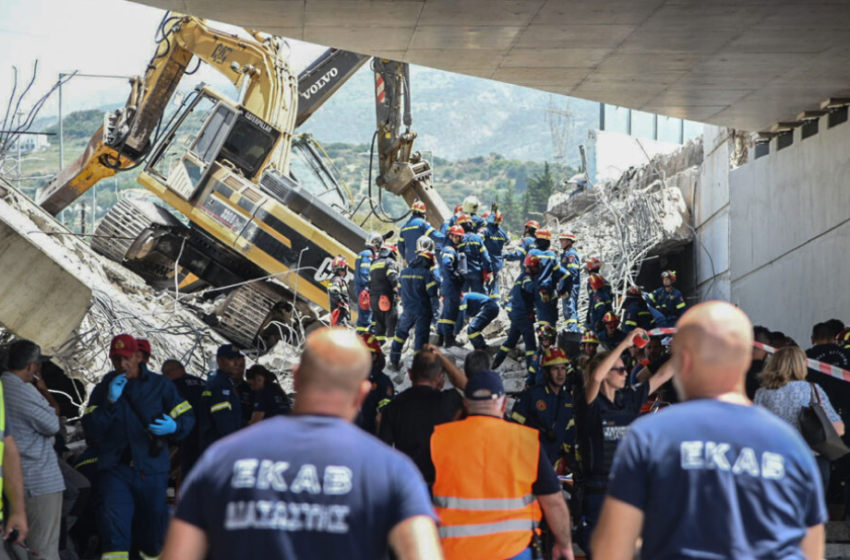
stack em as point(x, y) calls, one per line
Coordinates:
point(508, 207)
point(540, 187)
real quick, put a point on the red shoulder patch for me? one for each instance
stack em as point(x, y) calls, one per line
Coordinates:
point(541, 405)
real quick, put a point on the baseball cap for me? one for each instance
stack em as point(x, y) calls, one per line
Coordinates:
point(123, 345)
point(484, 386)
point(144, 345)
point(228, 351)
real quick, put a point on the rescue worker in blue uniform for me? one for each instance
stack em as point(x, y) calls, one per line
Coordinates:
point(418, 288)
point(362, 264)
point(668, 300)
point(637, 313)
point(338, 293)
point(452, 266)
point(481, 310)
point(425, 243)
point(546, 335)
point(611, 336)
point(477, 258)
point(382, 391)
point(527, 243)
point(416, 227)
point(132, 413)
point(571, 262)
point(383, 292)
point(225, 397)
point(599, 303)
point(548, 408)
point(444, 229)
point(470, 208)
point(546, 299)
point(521, 312)
point(190, 388)
point(495, 239)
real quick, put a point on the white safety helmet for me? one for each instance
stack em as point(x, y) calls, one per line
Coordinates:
point(470, 204)
point(424, 243)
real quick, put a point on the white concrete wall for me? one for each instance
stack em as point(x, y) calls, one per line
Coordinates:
point(610, 154)
point(712, 217)
point(790, 233)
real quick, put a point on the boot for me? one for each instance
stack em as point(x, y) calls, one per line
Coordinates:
point(441, 340)
point(452, 341)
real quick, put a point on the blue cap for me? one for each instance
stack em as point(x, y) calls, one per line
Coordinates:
point(484, 386)
point(228, 351)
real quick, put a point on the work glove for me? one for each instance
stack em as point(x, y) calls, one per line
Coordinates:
point(116, 387)
point(163, 426)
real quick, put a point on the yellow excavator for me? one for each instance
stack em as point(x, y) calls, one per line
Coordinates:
point(259, 214)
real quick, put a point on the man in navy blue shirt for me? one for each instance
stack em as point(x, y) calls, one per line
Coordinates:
point(715, 477)
point(310, 485)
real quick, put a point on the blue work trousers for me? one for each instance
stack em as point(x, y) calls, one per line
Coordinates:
point(569, 306)
point(547, 312)
point(520, 327)
point(451, 309)
point(410, 318)
point(364, 320)
point(474, 282)
point(478, 324)
point(133, 511)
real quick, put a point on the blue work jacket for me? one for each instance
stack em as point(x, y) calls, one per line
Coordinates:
point(415, 228)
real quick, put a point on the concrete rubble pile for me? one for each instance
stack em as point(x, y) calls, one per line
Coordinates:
point(121, 302)
point(646, 212)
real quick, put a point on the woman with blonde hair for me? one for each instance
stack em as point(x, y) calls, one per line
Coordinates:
point(784, 391)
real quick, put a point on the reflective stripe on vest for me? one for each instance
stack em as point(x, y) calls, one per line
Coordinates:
point(493, 516)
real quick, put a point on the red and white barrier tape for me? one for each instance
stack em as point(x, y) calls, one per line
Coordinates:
point(828, 369)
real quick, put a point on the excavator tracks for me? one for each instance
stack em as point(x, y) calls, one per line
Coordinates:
point(244, 313)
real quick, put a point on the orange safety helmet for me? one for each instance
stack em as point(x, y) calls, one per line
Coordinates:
point(533, 262)
point(419, 207)
point(387, 250)
point(634, 291)
point(532, 224)
point(458, 209)
point(597, 282)
point(544, 233)
point(611, 319)
point(464, 219)
point(372, 343)
point(457, 230)
point(589, 338)
point(593, 264)
point(485, 215)
point(553, 357)
point(497, 218)
point(671, 274)
point(546, 331)
point(567, 235)
point(339, 263)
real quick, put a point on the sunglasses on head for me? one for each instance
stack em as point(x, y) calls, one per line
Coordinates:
point(618, 369)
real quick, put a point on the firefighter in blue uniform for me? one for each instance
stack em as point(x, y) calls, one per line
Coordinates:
point(611, 336)
point(527, 243)
point(383, 292)
point(470, 208)
point(477, 258)
point(425, 243)
point(546, 335)
point(418, 288)
point(224, 398)
point(480, 310)
point(338, 293)
point(132, 413)
point(546, 299)
point(668, 300)
point(637, 313)
point(382, 391)
point(190, 387)
point(495, 239)
point(416, 227)
point(452, 267)
point(362, 264)
point(521, 312)
point(571, 262)
point(548, 408)
point(444, 229)
point(599, 302)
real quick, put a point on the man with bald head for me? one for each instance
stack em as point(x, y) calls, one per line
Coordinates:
point(310, 485)
point(715, 477)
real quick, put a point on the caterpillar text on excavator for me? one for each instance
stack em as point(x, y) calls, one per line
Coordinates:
point(256, 214)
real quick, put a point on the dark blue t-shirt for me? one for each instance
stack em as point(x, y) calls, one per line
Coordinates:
point(719, 480)
point(302, 487)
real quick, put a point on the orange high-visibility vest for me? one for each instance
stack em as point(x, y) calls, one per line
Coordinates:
point(482, 493)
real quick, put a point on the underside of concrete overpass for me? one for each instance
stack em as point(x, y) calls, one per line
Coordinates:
point(745, 64)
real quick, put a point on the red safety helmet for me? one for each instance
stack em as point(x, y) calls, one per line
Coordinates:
point(544, 233)
point(532, 224)
point(427, 254)
point(634, 291)
point(387, 250)
point(464, 219)
point(485, 215)
point(843, 338)
point(589, 338)
point(458, 209)
point(597, 282)
point(593, 264)
point(611, 319)
point(497, 219)
point(547, 331)
point(372, 343)
point(533, 262)
point(457, 230)
point(553, 357)
point(144, 346)
point(339, 263)
point(418, 207)
point(567, 235)
point(671, 274)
